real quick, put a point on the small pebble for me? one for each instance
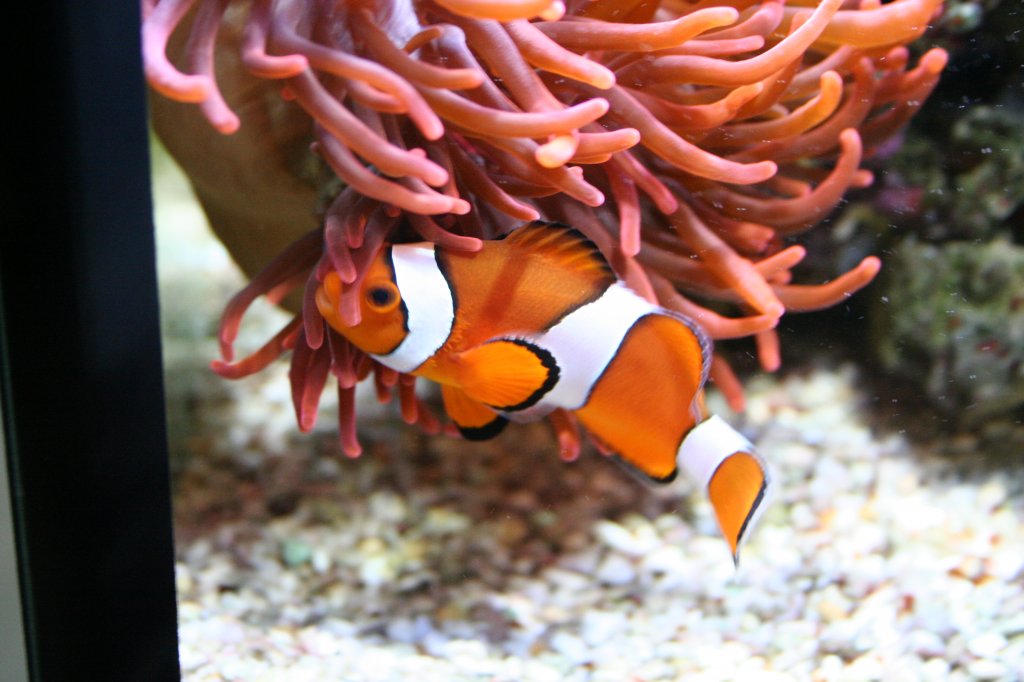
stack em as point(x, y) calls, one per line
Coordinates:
point(935, 670)
point(925, 643)
point(571, 647)
point(511, 530)
point(615, 570)
point(987, 669)
point(863, 668)
point(833, 605)
point(320, 559)
point(295, 552)
point(986, 645)
point(632, 542)
point(376, 571)
point(598, 627)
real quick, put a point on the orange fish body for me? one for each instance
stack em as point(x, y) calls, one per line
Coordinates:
point(538, 321)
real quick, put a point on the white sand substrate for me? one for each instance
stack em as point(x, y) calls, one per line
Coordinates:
point(433, 559)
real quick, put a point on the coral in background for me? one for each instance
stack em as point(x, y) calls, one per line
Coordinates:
point(950, 318)
point(688, 140)
point(959, 330)
point(970, 189)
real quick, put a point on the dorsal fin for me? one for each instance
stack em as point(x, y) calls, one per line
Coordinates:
point(562, 244)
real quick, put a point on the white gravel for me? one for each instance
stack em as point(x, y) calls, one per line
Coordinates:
point(436, 559)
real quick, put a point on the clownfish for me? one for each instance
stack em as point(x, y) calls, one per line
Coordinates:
point(538, 321)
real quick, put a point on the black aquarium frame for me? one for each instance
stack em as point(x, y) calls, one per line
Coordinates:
point(81, 383)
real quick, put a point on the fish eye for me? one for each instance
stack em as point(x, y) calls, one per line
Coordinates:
point(382, 297)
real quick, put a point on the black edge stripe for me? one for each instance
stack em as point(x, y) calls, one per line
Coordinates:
point(672, 475)
point(613, 278)
point(547, 360)
point(668, 478)
point(571, 309)
point(389, 259)
point(605, 265)
point(637, 473)
point(675, 472)
point(753, 507)
point(615, 356)
point(535, 223)
point(485, 432)
point(581, 237)
point(706, 349)
point(707, 346)
point(757, 500)
point(445, 268)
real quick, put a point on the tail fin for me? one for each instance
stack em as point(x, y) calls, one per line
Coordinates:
point(735, 476)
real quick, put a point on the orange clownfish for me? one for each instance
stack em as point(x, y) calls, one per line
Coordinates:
point(538, 321)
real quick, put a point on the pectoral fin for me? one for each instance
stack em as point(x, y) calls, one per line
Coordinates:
point(474, 420)
point(507, 374)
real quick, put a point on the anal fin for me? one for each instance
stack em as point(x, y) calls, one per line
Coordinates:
point(474, 420)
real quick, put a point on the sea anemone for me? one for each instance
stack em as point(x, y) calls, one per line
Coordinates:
point(688, 140)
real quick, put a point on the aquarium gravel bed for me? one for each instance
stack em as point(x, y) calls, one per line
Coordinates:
point(446, 560)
